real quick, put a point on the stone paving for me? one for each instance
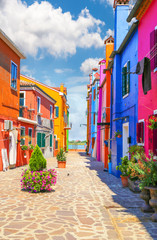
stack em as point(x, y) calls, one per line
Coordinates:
point(86, 203)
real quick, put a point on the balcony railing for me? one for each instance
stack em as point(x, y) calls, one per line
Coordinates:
point(24, 112)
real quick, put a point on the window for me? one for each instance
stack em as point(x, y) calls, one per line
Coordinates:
point(126, 79)
point(94, 94)
point(41, 139)
point(56, 144)
point(13, 75)
point(50, 111)
point(56, 111)
point(50, 140)
point(22, 136)
point(94, 118)
point(38, 104)
point(22, 99)
point(30, 136)
point(153, 49)
point(152, 139)
point(140, 132)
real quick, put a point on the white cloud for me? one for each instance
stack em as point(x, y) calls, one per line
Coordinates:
point(42, 27)
point(77, 79)
point(88, 64)
point(62, 70)
point(24, 70)
point(109, 33)
point(110, 2)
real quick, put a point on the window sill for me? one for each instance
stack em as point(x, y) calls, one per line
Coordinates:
point(140, 144)
point(14, 89)
point(126, 95)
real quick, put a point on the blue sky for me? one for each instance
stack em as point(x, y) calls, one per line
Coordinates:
point(62, 40)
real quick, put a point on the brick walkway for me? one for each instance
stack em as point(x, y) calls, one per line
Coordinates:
point(87, 203)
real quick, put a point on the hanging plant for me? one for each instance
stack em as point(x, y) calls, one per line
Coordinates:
point(153, 122)
point(118, 134)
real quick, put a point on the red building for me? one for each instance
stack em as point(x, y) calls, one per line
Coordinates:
point(36, 117)
point(10, 57)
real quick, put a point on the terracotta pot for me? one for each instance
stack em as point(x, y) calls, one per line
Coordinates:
point(119, 136)
point(153, 202)
point(145, 195)
point(61, 164)
point(124, 180)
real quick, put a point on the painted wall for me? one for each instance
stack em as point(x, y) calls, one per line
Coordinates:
point(147, 103)
point(124, 108)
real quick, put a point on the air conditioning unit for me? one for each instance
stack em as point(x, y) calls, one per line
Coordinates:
point(8, 125)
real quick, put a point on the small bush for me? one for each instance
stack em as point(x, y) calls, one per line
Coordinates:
point(24, 147)
point(31, 146)
point(37, 161)
point(61, 156)
point(39, 180)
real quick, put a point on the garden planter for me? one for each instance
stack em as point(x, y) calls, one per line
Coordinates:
point(124, 180)
point(153, 202)
point(145, 195)
point(134, 185)
point(61, 164)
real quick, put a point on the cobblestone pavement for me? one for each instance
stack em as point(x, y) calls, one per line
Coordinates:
point(87, 203)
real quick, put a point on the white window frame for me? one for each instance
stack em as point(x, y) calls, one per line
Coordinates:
point(24, 97)
point(39, 105)
point(31, 135)
point(142, 144)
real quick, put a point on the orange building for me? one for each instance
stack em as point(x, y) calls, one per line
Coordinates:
point(9, 100)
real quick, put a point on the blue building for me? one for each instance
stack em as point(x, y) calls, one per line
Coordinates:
point(94, 110)
point(124, 85)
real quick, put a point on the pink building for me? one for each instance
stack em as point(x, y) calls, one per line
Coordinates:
point(146, 13)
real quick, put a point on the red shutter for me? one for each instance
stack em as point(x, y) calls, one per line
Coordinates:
point(153, 49)
point(138, 132)
point(142, 132)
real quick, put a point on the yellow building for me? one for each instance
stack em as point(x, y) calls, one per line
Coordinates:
point(61, 108)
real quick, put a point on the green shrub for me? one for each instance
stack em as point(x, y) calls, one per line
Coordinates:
point(37, 161)
point(31, 146)
point(61, 156)
point(124, 166)
point(24, 147)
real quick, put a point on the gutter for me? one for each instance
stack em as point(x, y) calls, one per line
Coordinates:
point(134, 10)
point(131, 30)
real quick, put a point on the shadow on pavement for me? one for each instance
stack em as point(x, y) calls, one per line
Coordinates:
point(124, 205)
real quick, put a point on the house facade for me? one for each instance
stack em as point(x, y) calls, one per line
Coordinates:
point(59, 94)
point(146, 13)
point(124, 86)
point(10, 57)
point(36, 118)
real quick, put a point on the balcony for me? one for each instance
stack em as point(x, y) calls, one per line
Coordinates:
point(27, 115)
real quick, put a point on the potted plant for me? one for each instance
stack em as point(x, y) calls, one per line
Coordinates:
point(24, 150)
point(124, 168)
point(118, 134)
point(152, 122)
point(61, 159)
point(37, 178)
point(109, 163)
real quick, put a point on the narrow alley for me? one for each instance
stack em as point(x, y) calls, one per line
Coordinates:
point(86, 203)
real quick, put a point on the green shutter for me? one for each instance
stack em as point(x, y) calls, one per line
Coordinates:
point(39, 139)
point(43, 140)
point(124, 76)
point(128, 76)
point(50, 140)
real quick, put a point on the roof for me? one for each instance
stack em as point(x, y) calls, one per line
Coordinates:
point(131, 30)
point(12, 45)
point(120, 2)
point(139, 9)
point(102, 61)
point(24, 84)
point(109, 40)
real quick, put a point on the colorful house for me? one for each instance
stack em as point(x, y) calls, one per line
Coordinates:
point(61, 108)
point(146, 13)
point(36, 117)
point(9, 101)
point(89, 98)
point(94, 110)
point(124, 86)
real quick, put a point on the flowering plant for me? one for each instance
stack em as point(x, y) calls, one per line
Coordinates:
point(37, 181)
point(153, 122)
point(118, 134)
point(61, 157)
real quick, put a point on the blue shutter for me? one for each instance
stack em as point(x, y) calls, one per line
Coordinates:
point(57, 111)
point(128, 77)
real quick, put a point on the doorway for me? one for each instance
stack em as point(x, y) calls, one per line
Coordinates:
point(125, 139)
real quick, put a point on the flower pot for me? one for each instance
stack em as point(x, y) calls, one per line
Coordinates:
point(61, 164)
point(119, 136)
point(145, 195)
point(110, 167)
point(153, 202)
point(124, 180)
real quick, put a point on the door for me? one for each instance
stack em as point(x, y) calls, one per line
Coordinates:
point(125, 139)
point(13, 147)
